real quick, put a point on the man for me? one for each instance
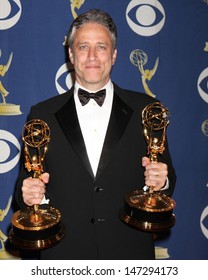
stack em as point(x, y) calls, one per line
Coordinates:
point(96, 153)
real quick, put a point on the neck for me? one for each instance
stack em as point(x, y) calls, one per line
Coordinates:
point(92, 87)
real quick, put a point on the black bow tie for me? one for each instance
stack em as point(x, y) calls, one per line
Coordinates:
point(84, 96)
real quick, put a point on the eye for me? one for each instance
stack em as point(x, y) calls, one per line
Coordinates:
point(64, 78)
point(202, 85)
point(83, 47)
point(101, 47)
point(145, 18)
point(10, 151)
point(204, 222)
point(10, 12)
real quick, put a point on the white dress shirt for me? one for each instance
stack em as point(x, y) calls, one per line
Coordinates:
point(93, 121)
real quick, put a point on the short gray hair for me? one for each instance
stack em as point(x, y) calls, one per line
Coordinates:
point(93, 16)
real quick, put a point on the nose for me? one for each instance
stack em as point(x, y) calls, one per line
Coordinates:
point(92, 54)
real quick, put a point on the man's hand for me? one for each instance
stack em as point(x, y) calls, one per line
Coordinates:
point(33, 189)
point(155, 173)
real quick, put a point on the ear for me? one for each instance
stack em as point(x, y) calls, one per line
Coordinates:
point(71, 56)
point(114, 55)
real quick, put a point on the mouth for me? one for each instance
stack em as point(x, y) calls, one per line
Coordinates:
point(92, 67)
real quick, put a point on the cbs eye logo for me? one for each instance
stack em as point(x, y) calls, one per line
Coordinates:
point(145, 18)
point(203, 222)
point(202, 85)
point(10, 151)
point(64, 78)
point(10, 12)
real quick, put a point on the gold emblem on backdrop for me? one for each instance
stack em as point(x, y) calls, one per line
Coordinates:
point(206, 45)
point(204, 127)
point(161, 253)
point(7, 108)
point(139, 59)
point(3, 214)
point(76, 4)
point(3, 238)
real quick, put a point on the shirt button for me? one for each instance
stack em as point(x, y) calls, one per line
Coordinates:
point(97, 189)
point(92, 220)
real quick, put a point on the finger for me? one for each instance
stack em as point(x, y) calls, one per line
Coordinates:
point(145, 161)
point(34, 198)
point(33, 186)
point(157, 168)
point(45, 177)
point(33, 191)
point(155, 175)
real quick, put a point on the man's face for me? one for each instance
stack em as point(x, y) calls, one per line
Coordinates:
point(92, 55)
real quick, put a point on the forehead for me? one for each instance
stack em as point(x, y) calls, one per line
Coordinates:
point(92, 31)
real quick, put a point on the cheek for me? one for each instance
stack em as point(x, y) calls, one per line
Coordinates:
point(78, 60)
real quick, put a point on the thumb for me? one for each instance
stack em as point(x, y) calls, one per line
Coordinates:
point(145, 161)
point(45, 177)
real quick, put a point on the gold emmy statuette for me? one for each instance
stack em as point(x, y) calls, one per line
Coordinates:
point(39, 226)
point(150, 210)
point(7, 109)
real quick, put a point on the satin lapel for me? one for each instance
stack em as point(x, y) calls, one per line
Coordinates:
point(68, 120)
point(119, 119)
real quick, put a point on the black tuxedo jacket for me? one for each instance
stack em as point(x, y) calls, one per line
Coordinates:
point(90, 205)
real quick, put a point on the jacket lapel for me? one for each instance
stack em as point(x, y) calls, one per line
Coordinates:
point(68, 120)
point(120, 116)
